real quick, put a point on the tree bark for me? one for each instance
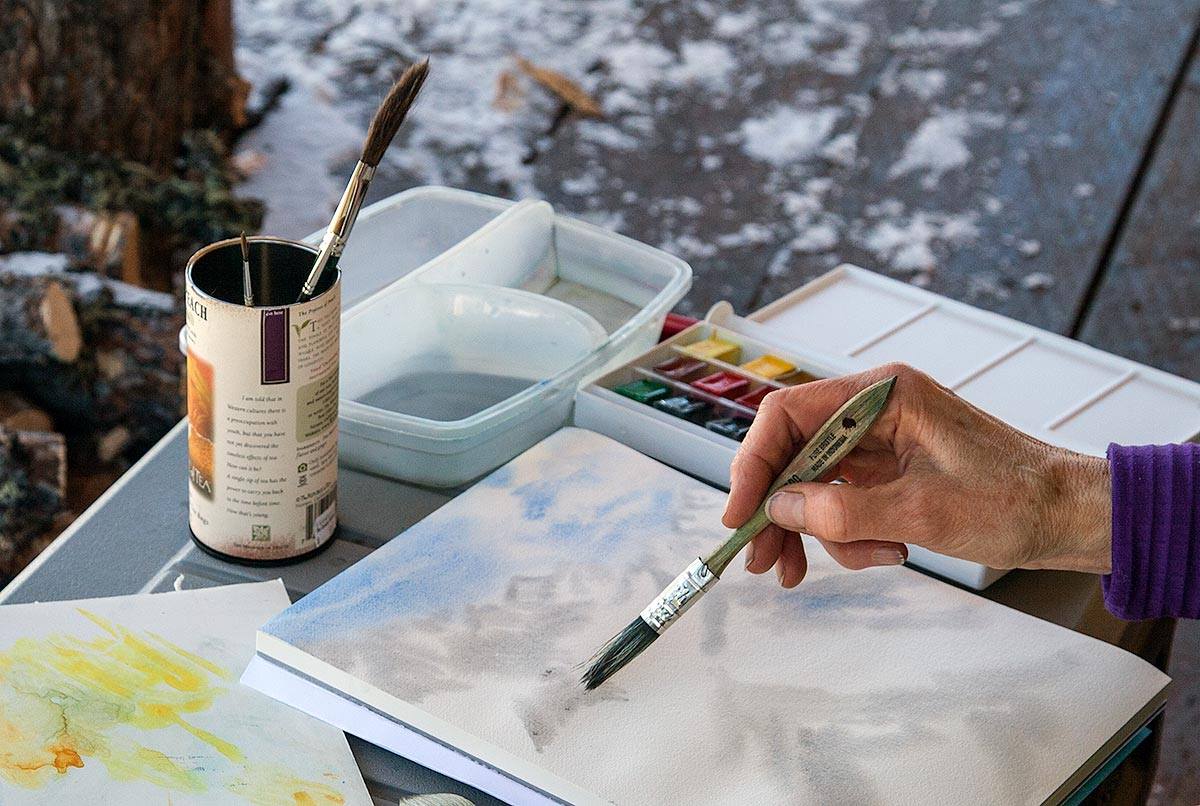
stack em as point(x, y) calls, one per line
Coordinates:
point(121, 77)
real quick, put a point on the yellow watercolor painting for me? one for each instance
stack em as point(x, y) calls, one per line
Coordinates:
point(136, 699)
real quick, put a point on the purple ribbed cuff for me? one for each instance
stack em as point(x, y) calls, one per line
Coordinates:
point(1155, 532)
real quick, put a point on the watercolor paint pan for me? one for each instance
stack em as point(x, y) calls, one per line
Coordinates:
point(685, 408)
point(770, 367)
point(681, 367)
point(714, 348)
point(734, 428)
point(754, 399)
point(643, 390)
point(723, 384)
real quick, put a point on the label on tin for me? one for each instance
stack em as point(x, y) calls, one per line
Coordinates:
point(262, 425)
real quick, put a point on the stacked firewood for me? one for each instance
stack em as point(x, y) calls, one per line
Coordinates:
point(90, 369)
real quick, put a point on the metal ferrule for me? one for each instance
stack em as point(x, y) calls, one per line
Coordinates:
point(677, 597)
point(342, 222)
point(347, 212)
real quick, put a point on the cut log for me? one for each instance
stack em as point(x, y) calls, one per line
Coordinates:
point(38, 322)
point(33, 477)
point(107, 243)
point(18, 414)
point(93, 68)
point(60, 323)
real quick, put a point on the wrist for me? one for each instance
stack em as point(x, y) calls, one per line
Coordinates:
point(1077, 513)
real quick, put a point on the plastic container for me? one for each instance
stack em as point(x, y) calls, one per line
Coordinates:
point(464, 378)
point(520, 254)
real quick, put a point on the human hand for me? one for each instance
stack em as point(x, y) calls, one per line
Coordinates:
point(934, 471)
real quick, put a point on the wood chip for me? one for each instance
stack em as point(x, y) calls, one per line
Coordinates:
point(567, 90)
point(509, 94)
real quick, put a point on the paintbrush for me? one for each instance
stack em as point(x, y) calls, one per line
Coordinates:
point(247, 293)
point(384, 125)
point(828, 446)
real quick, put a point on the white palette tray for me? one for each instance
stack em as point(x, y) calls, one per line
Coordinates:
point(850, 319)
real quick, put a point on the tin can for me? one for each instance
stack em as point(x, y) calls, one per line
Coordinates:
point(262, 397)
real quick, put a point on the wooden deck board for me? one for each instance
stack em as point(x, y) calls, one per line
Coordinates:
point(1059, 103)
point(1147, 306)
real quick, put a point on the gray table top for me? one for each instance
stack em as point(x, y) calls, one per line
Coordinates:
point(135, 539)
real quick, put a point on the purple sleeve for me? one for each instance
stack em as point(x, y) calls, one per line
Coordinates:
point(1155, 532)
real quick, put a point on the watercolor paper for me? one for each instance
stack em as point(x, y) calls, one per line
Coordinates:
point(136, 699)
point(461, 637)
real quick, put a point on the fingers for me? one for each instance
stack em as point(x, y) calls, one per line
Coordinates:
point(793, 564)
point(861, 554)
point(763, 454)
point(764, 549)
point(845, 513)
point(784, 420)
point(782, 550)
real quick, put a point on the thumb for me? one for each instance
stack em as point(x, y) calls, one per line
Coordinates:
point(842, 513)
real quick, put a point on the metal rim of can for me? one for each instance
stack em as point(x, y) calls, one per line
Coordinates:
point(207, 249)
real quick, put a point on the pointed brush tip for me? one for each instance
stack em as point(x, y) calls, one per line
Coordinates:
point(245, 247)
point(392, 112)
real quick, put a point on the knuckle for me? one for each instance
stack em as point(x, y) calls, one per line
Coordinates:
point(772, 405)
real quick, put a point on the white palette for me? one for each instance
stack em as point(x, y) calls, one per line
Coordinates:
point(849, 319)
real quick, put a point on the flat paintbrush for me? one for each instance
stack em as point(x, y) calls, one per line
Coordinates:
point(247, 293)
point(384, 125)
point(828, 446)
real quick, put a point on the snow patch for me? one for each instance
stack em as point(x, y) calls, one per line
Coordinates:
point(31, 264)
point(708, 63)
point(939, 144)
point(788, 135)
point(842, 150)
point(907, 245)
point(1037, 281)
point(943, 38)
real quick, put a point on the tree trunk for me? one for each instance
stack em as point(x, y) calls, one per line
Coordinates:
point(121, 77)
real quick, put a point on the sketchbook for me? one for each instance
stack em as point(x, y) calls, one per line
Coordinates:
point(135, 699)
point(457, 645)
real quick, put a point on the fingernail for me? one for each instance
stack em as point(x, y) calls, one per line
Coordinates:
point(887, 557)
point(779, 571)
point(787, 509)
point(749, 554)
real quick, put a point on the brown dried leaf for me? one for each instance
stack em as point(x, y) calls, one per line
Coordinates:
point(509, 94)
point(571, 93)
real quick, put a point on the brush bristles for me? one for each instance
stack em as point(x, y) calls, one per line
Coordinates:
point(620, 649)
point(392, 111)
point(245, 249)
